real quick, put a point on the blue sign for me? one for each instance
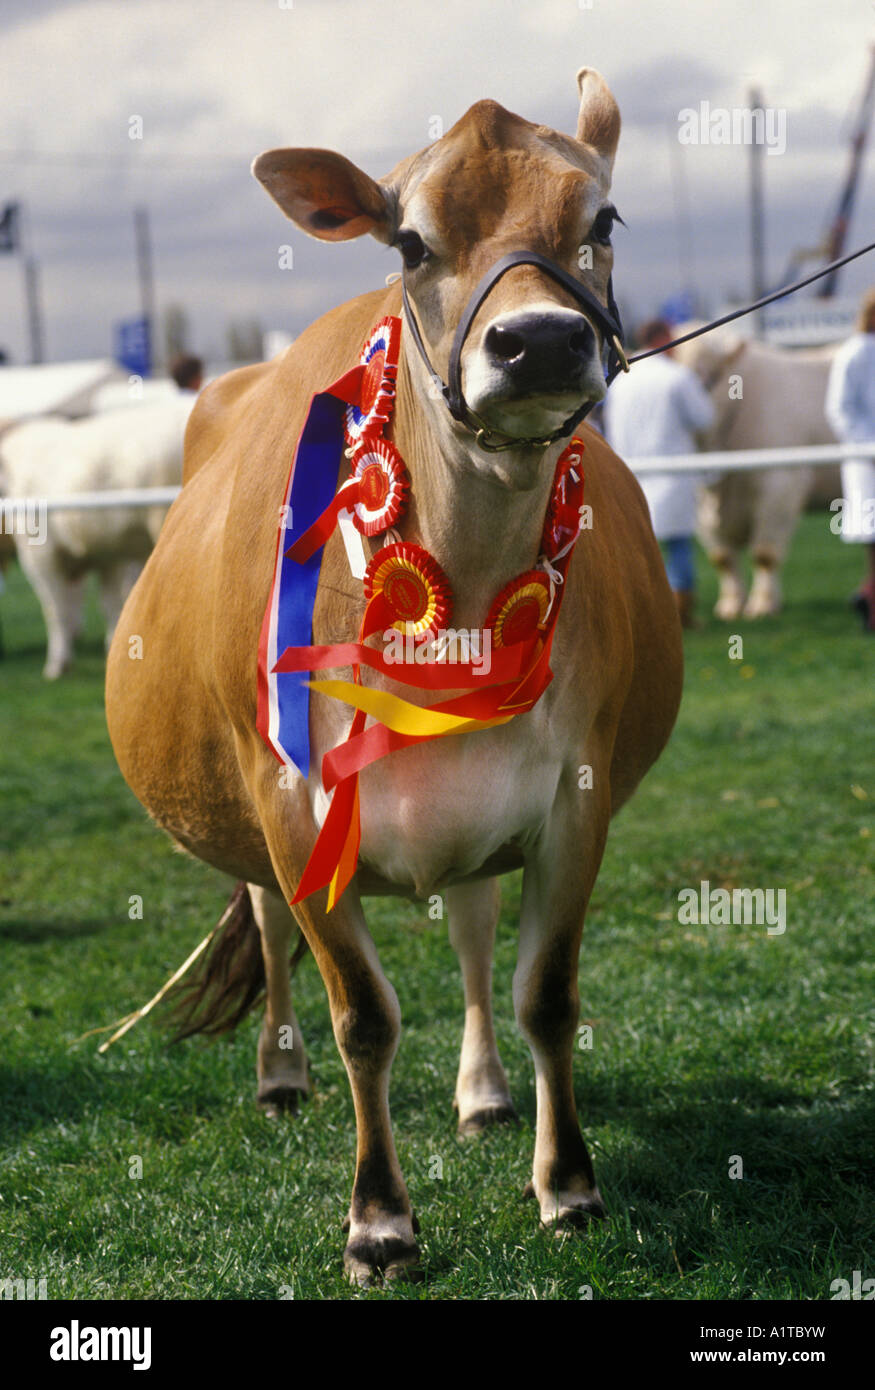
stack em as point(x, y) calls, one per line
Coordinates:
point(132, 346)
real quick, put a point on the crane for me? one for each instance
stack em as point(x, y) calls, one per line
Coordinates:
point(833, 241)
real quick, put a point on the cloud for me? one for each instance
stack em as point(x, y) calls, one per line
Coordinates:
point(216, 81)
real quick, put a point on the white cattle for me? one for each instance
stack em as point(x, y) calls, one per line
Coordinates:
point(766, 397)
point(130, 448)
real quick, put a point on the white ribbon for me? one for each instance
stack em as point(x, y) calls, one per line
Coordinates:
point(554, 576)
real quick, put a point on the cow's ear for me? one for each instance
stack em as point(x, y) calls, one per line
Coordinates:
point(598, 121)
point(325, 194)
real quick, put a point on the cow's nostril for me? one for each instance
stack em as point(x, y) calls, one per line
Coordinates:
point(500, 342)
point(580, 342)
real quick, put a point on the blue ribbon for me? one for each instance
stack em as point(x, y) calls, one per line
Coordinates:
point(314, 483)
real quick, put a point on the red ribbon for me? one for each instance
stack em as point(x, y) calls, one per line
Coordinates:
point(317, 534)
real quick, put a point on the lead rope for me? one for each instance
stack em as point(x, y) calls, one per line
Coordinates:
point(740, 313)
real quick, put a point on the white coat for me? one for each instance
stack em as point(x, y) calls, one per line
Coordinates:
point(658, 408)
point(850, 410)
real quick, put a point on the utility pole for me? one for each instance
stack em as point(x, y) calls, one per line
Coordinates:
point(30, 271)
point(147, 283)
point(683, 224)
point(34, 310)
point(757, 233)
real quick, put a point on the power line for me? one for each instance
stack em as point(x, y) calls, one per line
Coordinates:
point(82, 159)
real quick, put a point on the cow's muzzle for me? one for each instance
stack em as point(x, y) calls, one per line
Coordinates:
point(575, 344)
point(540, 353)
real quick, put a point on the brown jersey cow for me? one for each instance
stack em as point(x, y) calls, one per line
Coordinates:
point(451, 814)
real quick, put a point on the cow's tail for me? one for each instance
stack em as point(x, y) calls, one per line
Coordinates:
point(229, 978)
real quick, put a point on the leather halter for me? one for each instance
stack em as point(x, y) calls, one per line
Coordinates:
point(607, 318)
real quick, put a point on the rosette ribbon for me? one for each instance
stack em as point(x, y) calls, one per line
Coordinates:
point(375, 496)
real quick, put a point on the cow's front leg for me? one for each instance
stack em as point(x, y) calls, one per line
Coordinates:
point(482, 1093)
point(557, 882)
point(367, 1024)
point(61, 600)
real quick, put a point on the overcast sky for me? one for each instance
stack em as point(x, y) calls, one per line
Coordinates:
point(216, 81)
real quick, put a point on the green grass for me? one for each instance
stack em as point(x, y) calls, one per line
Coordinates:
point(708, 1041)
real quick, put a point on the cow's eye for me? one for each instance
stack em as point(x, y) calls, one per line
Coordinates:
point(412, 248)
point(601, 229)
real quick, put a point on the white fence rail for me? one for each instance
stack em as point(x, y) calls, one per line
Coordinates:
point(732, 460)
point(102, 501)
point(716, 462)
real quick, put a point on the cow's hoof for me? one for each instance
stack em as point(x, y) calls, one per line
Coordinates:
point(727, 610)
point(576, 1217)
point(276, 1101)
point(486, 1117)
point(573, 1212)
point(367, 1260)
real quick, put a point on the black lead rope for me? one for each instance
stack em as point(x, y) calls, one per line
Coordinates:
point(751, 308)
point(607, 317)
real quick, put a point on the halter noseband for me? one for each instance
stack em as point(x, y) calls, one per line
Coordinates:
point(608, 320)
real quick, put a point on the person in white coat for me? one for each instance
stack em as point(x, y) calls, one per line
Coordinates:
point(850, 410)
point(660, 408)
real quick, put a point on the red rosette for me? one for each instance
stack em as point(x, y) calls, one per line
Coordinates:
point(414, 589)
point(379, 357)
point(383, 486)
point(520, 609)
point(562, 520)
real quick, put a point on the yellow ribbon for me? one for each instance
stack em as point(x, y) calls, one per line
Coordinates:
point(399, 715)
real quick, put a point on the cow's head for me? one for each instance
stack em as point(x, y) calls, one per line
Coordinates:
point(494, 184)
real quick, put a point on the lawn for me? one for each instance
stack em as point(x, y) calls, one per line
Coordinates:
point(716, 1050)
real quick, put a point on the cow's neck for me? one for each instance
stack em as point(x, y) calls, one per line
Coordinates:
point(480, 529)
